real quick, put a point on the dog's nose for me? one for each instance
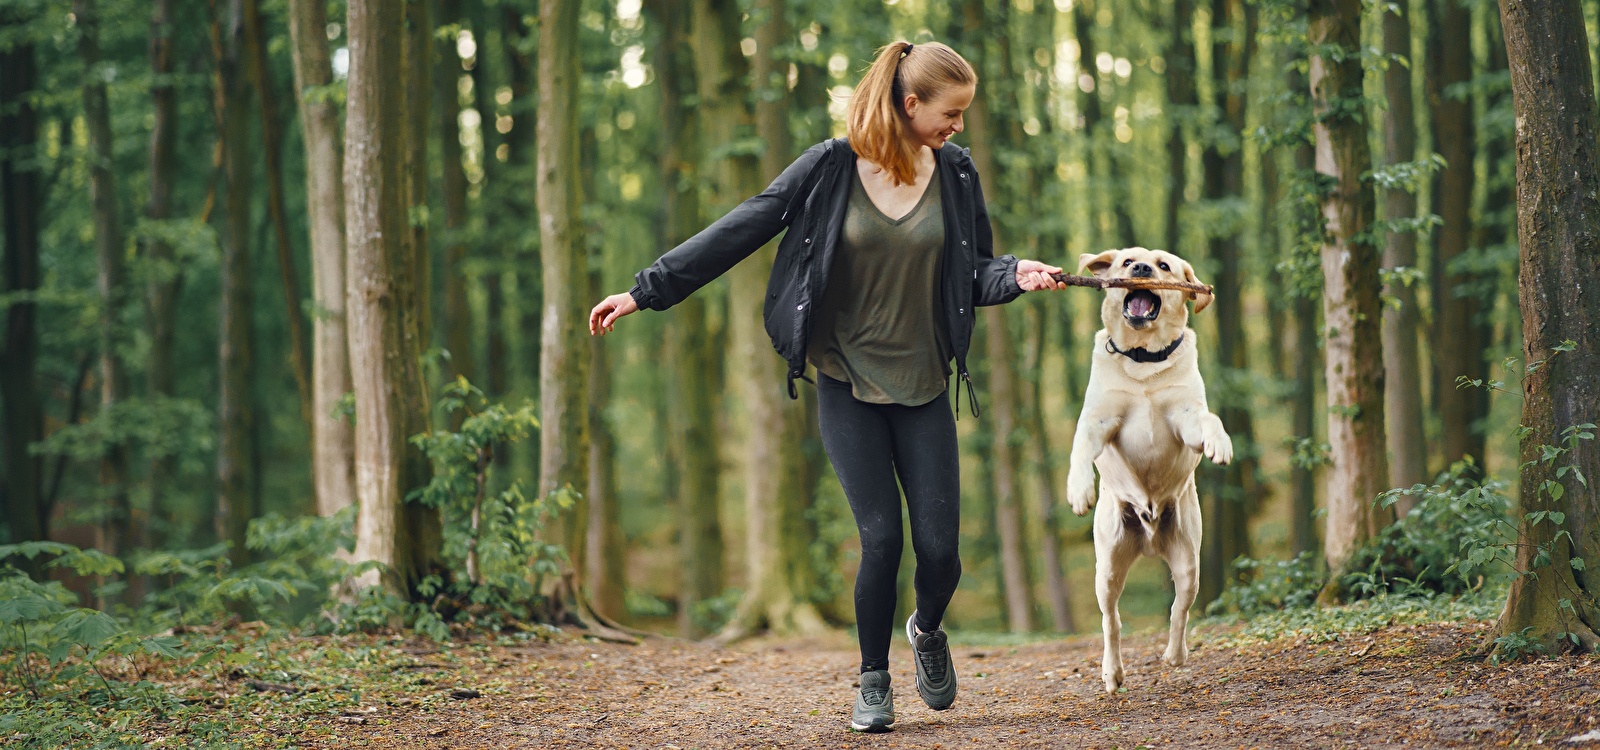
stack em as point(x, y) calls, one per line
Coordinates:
point(1143, 270)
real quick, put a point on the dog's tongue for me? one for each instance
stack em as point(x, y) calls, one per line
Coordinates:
point(1141, 306)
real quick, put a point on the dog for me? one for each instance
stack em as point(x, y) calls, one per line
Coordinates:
point(1145, 424)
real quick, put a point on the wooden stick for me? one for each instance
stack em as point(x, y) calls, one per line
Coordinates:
point(1095, 282)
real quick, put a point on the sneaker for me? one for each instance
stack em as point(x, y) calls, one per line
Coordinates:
point(936, 677)
point(874, 703)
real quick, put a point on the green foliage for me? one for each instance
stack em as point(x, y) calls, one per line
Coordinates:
point(1301, 216)
point(41, 624)
point(642, 604)
point(1515, 646)
point(491, 536)
point(1322, 624)
point(711, 614)
point(1457, 537)
point(1308, 453)
point(1266, 586)
point(300, 564)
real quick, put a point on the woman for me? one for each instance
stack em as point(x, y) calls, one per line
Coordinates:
point(888, 251)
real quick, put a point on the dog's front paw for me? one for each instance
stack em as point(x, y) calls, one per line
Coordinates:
point(1217, 445)
point(1080, 491)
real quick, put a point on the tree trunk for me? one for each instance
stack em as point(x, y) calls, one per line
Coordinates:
point(1456, 292)
point(447, 97)
point(564, 353)
point(237, 502)
point(1181, 102)
point(413, 275)
point(1058, 590)
point(332, 440)
point(417, 63)
point(1104, 179)
point(1307, 361)
point(271, 149)
point(608, 552)
point(375, 221)
point(989, 135)
point(1303, 479)
point(166, 277)
point(491, 375)
point(688, 347)
point(1351, 309)
point(20, 486)
point(1408, 446)
point(1558, 230)
point(1229, 499)
point(783, 576)
point(116, 522)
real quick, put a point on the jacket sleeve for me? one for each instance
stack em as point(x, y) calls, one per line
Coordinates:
point(730, 239)
point(994, 280)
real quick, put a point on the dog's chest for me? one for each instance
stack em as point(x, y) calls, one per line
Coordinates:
point(1145, 432)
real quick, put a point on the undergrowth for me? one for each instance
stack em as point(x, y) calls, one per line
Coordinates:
point(1446, 560)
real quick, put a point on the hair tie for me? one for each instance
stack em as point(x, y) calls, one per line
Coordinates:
point(907, 50)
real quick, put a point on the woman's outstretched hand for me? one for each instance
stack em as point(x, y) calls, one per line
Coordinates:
point(604, 315)
point(1033, 276)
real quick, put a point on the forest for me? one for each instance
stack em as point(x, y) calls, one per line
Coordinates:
point(307, 442)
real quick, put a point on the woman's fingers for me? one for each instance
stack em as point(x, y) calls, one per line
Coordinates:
point(602, 316)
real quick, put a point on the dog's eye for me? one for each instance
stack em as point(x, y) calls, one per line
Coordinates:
point(1128, 262)
point(1164, 266)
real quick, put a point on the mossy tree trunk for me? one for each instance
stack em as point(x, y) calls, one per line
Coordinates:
point(237, 501)
point(987, 136)
point(781, 581)
point(27, 514)
point(694, 362)
point(1232, 490)
point(1456, 291)
point(332, 439)
point(1351, 310)
point(1408, 446)
point(1558, 230)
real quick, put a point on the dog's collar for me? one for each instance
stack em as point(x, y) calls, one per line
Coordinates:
point(1145, 355)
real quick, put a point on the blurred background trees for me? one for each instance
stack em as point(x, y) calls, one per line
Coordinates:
point(248, 243)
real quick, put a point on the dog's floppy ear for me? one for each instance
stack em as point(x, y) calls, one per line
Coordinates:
point(1096, 264)
point(1201, 300)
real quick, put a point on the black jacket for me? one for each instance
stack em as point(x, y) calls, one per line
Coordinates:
point(809, 199)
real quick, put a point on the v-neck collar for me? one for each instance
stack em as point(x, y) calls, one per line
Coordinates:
point(921, 199)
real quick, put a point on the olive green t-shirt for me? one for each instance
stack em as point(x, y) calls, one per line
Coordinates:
point(877, 325)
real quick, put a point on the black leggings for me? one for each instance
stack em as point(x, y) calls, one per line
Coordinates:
point(869, 445)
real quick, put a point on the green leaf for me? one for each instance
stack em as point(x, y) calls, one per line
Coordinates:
point(89, 562)
point(166, 646)
point(1577, 563)
point(1557, 517)
point(28, 607)
point(88, 628)
point(31, 550)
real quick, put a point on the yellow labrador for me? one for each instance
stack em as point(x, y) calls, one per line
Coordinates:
point(1144, 425)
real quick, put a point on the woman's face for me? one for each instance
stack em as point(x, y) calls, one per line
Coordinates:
point(935, 120)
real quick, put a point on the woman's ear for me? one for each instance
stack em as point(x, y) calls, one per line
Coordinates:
point(1096, 264)
point(1201, 300)
point(909, 105)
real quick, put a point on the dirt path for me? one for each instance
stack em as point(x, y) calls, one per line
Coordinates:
point(1404, 686)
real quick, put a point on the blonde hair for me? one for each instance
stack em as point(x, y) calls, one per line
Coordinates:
point(877, 118)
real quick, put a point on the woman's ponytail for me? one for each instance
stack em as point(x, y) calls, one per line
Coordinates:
point(876, 117)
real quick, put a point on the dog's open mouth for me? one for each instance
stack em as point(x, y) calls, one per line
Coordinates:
point(1140, 307)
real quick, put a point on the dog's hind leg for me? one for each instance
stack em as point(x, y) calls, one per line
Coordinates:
point(1114, 555)
point(1183, 558)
